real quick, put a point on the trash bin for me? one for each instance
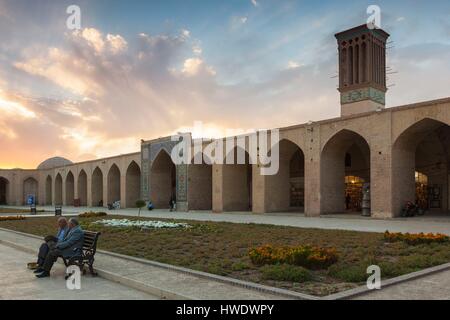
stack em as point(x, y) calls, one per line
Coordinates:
point(58, 211)
point(33, 209)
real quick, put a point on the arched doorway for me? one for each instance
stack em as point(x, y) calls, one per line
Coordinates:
point(162, 180)
point(97, 188)
point(133, 184)
point(200, 185)
point(113, 184)
point(4, 191)
point(70, 188)
point(58, 190)
point(285, 191)
point(30, 189)
point(237, 183)
point(344, 170)
point(48, 191)
point(420, 158)
point(82, 188)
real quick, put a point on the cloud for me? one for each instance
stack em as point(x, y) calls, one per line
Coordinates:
point(254, 3)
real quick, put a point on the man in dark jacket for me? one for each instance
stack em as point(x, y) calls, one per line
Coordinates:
point(71, 245)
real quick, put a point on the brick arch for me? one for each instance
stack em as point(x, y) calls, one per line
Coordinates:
point(82, 187)
point(407, 157)
point(30, 187)
point(237, 182)
point(48, 189)
point(97, 187)
point(333, 168)
point(364, 135)
point(58, 190)
point(132, 184)
point(162, 179)
point(113, 184)
point(70, 188)
point(285, 190)
point(5, 191)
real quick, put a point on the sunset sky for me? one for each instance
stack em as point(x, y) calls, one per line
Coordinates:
point(145, 69)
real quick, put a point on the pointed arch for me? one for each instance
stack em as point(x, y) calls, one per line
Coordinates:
point(97, 188)
point(113, 184)
point(58, 190)
point(133, 184)
point(423, 147)
point(82, 187)
point(162, 180)
point(70, 188)
point(4, 191)
point(48, 190)
point(285, 191)
point(337, 195)
point(30, 188)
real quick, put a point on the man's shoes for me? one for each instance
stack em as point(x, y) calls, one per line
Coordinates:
point(39, 270)
point(44, 274)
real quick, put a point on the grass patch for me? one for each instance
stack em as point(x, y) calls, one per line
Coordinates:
point(223, 248)
point(285, 272)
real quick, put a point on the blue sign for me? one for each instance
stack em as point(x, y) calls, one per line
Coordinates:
point(30, 200)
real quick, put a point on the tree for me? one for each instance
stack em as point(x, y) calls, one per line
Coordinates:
point(140, 204)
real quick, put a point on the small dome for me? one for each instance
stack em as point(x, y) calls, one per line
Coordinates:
point(54, 163)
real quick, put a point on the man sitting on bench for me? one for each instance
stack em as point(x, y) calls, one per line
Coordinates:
point(71, 245)
point(50, 243)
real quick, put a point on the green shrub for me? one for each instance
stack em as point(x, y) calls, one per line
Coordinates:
point(285, 272)
point(349, 273)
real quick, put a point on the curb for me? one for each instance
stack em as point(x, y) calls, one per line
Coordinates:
point(165, 294)
point(388, 283)
point(235, 282)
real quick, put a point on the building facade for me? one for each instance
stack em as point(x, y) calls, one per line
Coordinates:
point(401, 154)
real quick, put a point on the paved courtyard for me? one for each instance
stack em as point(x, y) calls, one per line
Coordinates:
point(439, 224)
point(17, 283)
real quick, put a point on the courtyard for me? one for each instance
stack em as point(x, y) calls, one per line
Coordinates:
point(222, 248)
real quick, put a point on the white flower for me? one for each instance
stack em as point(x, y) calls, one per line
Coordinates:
point(141, 223)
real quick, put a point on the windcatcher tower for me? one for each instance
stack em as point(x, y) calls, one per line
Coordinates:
point(362, 69)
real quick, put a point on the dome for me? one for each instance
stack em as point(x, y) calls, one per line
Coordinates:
point(54, 163)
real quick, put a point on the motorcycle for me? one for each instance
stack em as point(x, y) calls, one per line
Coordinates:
point(114, 206)
point(410, 210)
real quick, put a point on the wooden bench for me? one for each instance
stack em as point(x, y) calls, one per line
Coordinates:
point(87, 253)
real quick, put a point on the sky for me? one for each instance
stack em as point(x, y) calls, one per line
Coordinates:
point(146, 69)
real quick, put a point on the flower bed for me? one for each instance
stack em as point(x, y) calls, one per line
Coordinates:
point(416, 238)
point(92, 214)
point(12, 218)
point(143, 224)
point(305, 256)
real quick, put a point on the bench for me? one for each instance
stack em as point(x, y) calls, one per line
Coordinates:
point(87, 253)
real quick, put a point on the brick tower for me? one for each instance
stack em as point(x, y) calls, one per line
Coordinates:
point(362, 69)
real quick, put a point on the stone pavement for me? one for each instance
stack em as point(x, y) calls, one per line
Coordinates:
point(337, 222)
point(432, 287)
point(19, 283)
point(154, 279)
